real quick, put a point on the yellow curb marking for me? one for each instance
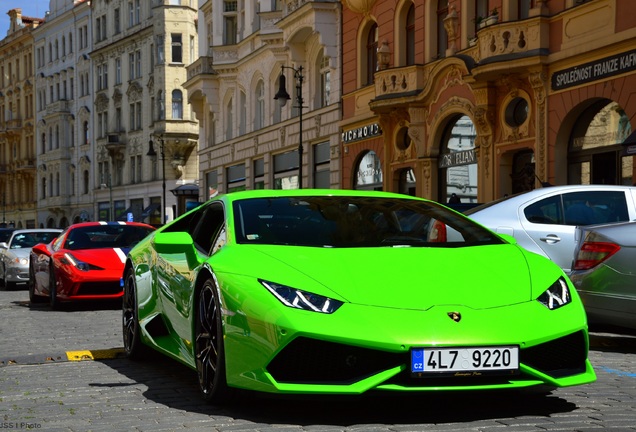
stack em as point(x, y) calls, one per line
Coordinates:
point(95, 354)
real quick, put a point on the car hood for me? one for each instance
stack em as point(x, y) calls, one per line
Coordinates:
point(106, 258)
point(19, 253)
point(408, 277)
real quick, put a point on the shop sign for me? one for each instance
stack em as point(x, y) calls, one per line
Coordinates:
point(596, 70)
point(629, 150)
point(361, 133)
point(462, 157)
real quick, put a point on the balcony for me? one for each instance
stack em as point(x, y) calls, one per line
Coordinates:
point(202, 66)
point(400, 81)
point(14, 124)
point(58, 107)
point(510, 40)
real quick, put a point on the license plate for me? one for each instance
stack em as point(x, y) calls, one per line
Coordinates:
point(465, 359)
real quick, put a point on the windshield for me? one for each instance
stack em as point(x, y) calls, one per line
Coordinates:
point(106, 236)
point(30, 239)
point(336, 221)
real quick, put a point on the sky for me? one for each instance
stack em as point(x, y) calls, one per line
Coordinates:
point(30, 8)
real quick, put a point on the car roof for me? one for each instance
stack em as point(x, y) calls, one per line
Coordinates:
point(102, 223)
point(546, 191)
point(30, 230)
point(270, 193)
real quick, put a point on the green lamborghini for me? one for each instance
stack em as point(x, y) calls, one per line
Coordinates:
point(347, 292)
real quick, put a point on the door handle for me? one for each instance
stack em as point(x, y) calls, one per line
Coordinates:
point(551, 238)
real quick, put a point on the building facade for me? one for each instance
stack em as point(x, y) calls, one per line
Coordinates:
point(146, 135)
point(486, 98)
point(63, 99)
point(249, 139)
point(18, 174)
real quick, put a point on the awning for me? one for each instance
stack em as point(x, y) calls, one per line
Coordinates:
point(189, 189)
point(150, 210)
point(630, 144)
point(124, 215)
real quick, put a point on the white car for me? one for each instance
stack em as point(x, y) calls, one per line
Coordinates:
point(544, 220)
point(15, 252)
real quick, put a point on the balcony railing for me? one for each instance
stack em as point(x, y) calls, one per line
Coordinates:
point(202, 66)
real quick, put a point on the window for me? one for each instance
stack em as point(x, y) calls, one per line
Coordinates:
point(410, 36)
point(325, 81)
point(138, 63)
point(177, 104)
point(230, 27)
point(131, 66)
point(177, 49)
point(118, 70)
point(161, 112)
point(442, 37)
point(160, 53)
point(235, 178)
point(259, 174)
point(259, 114)
point(371, 54)
point(322, 159)
point(286, 170)
point(117, 22)
point(102, 124)
point(242, 113)
point(229, 121)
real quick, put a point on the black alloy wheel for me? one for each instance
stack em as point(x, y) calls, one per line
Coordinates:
point(53, 300)
point(209, 351)
point(133, 347)
point(34, 298)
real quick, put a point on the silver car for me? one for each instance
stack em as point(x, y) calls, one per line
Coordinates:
point(14, 254)
point(544, 220)
point(604, 273)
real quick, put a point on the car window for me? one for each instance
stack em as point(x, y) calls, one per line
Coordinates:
point(595, 207)
point(329, 221)
point(209, 228)
point(545, 211)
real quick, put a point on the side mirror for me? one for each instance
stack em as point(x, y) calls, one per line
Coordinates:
point(4, 245)
point(40, 248)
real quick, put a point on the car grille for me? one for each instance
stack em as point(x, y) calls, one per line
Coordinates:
point(558, 358)
point(100, 288)
point(307, 360)
point(310, 361)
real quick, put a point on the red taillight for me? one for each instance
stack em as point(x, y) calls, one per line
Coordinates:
point(438, 232)
point(592, 254)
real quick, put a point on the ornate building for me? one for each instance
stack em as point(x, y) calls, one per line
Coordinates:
point(63, 99)
point(17, 123)
point(145, 133)
point(248, 139)
point(488, 97)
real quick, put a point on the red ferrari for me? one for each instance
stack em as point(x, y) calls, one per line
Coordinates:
point(85, 262)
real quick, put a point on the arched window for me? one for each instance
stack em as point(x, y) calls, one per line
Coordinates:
point(177, 104)
point(371, 54)
point(161, 111)
point(369, 173)
point(410, 36)
point(323, 92)
point(85, 132)
point(242, 112)
point(85, 182)
point(229, 120)
point(442, 37)
point(259, 111)
point(458, 166)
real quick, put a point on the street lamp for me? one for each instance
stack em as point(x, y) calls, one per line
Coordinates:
point(282, 96)
point(152, 152)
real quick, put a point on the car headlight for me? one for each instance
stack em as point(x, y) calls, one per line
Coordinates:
point(299, 299)
point(21, 261)
point(80, 265)
point(556, 296)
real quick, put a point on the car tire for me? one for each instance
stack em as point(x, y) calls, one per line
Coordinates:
point(209, 348)
point(133, 347)
point(53, 300)
point(33, 297)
